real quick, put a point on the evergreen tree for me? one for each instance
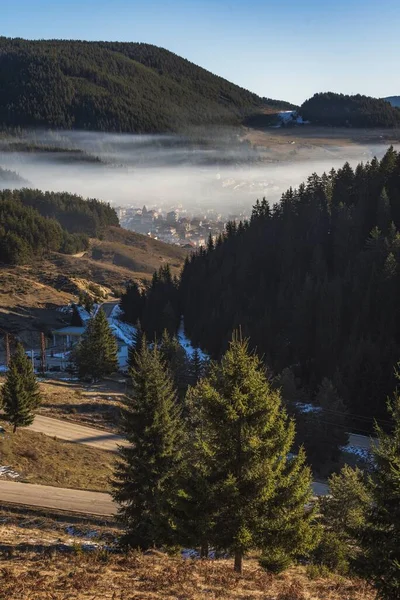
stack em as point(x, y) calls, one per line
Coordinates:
point(259, 494)
point(343, 514)
point(174, 357)
point(325, 429)
point(197, 367)
point(380, 539)
point(96, 354)
point(196, 506)
point(139, 339)
point(146, 478)
point(20, 393)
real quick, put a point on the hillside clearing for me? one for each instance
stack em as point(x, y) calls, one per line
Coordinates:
point(40, 459)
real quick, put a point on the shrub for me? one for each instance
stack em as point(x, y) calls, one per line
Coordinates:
point(275, 561)
point(333, 553)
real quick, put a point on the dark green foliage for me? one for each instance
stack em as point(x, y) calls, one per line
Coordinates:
point(380, 538)
point(324, 430)
point(343, 515)
point(132, 303)
point(96, 354)
point(243, 440)
point(161, 305)
point(139, 341)
point(34, 223)
point(20, 394)
point(146, 484)
point(314, 284)
point(174, 357)
point(356, 111)
point(112, 86)
point(74, 213)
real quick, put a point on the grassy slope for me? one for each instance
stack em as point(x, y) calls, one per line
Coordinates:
point(156, 576)
point(42, 459)
point(29, 295)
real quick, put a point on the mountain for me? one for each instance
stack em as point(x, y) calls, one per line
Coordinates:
point(112, 86)
point(394, 100)
point(313, 282)
point(339, 110)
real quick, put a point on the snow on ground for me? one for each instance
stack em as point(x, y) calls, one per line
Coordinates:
point(288, 116)
point(187, 344)
point(8, 472)
point(361, 453)
point(3, 369)
point(307, 408)
point(83, 313)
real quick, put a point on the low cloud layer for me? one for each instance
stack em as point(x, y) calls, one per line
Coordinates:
point(222, 172)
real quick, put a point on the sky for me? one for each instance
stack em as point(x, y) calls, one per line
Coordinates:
point(283, 49)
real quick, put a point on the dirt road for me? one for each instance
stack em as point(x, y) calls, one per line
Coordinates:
point(81, 501)
point(71, 432)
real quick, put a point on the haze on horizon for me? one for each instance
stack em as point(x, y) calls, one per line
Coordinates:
point(287, 50)
point(168, 171)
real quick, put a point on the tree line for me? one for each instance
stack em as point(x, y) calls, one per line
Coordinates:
point(34, 223)
point(106, 86)
point(341, 110)
point(313, 282)
point(215, 468)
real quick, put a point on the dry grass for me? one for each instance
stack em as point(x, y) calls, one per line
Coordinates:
point(97, 405)
point(41, 557)
point(42, 459)
point(97, 575)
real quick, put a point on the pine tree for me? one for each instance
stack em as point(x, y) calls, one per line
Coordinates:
point(259, 493)
point(196, 506)
point(174, 357)
point(97, 353)
point(20, 393)
point(146, 478)
point(380, 539)
point(325, 429)
point(197, 367)
point(139, 339)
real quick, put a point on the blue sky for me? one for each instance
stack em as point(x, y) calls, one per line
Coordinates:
point(287, 49)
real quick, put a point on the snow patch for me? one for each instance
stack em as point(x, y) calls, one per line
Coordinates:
point(8, 472)
point(187, 344)
point(307, 408)
point(361, 453)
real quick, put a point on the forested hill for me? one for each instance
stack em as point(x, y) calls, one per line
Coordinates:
point(355, 111)
point(105, 86)
point(394, 100)
point(314, 282)
point(34, 223)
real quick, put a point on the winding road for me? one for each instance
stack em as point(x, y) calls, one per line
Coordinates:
point(80, 501)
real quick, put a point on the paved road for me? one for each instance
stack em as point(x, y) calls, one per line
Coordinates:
point(108, 307)
point(65, 430)
point(46, 496)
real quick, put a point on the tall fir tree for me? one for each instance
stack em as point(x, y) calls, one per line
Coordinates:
point(20, 393)
point(174, 357)
point(147, 474)
point(97, 353)
point(259, 493)
point(380, 539)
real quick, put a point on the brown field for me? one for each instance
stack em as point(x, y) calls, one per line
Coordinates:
point(310, 143)
point(100, 576)
point(48, 461)
point(97, 405)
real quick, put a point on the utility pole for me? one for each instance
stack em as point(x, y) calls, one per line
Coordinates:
point(8, 354)
point(42, 353)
